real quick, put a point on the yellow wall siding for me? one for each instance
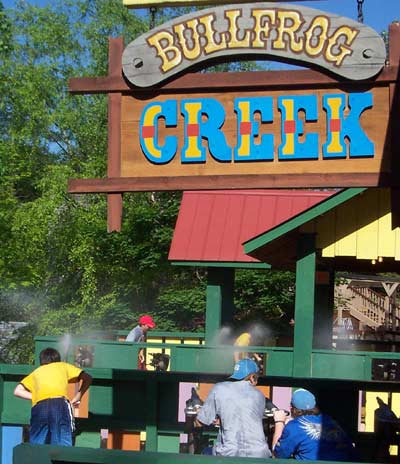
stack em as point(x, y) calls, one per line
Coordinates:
point(361, 227)
point(367, 232)
point(397, 245)
point(345, 225)
point(326, 234)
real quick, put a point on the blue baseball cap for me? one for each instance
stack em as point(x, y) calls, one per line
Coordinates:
point(303, 399)
point(243, 368)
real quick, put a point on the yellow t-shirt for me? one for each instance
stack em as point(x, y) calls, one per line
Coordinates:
point(50, 380)
point(243, 339)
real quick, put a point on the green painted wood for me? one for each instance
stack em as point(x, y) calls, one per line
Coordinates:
point(219, 304)
point(28, 454)
point(279, 362)
point(13, 410)
point(304, 306)
point(151, 415)
point(235, 265)
point(339, 366)
point(168, 444)
point(88, 439)
point(162, 334)
point(208, 359)
point(302, 218)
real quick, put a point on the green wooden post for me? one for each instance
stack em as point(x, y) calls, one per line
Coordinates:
point(324, 307)
point(219, 305)
point(304, 306)
point(151, 415)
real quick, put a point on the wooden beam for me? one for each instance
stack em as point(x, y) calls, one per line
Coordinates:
point(230, 80)
point(146, 184)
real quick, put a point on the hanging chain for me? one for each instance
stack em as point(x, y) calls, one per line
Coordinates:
point(153, 11)
point(360, 11)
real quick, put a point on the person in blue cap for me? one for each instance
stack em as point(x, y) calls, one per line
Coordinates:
point(310, 435)
point(238, 408)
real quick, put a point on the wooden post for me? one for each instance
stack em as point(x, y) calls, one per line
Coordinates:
point(114, 200)
point(304, 306)
point(151, 415)
point(219, 305)
point(394, 92)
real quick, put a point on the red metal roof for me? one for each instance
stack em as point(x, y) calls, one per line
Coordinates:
point(212, 225)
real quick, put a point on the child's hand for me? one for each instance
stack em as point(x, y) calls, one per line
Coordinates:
point(76, 399)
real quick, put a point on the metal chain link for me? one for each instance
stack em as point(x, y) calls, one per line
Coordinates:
point(153, 11)
point(360, 11)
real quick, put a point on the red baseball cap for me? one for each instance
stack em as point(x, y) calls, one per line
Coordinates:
point(148, 320)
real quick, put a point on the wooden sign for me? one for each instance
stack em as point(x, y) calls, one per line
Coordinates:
point(294, 135)
point(291, 33)
point(266, 129)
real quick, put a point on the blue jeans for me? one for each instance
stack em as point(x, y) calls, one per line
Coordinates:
point(52, 422)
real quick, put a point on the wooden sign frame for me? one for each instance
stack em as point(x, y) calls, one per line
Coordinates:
point(116, 87)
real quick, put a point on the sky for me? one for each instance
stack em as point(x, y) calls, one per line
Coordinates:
point(377, 13)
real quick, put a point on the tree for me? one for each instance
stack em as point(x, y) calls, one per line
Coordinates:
point(59, 268)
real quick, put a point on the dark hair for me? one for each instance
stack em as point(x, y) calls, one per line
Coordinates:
point(304, 412)
point(48, 356)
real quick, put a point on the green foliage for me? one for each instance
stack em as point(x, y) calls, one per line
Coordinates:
point(266, 296)
point(60, 270)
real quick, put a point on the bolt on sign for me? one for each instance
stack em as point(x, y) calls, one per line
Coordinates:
point(172, 129)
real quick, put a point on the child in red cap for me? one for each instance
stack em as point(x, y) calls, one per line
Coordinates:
point(138, 335)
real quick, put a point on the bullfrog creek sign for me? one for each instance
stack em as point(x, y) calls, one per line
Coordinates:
point(170, 128)
point(264, 30)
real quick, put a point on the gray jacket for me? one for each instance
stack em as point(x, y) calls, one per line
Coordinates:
point(240, 407)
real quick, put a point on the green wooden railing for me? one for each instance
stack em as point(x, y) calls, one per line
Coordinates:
point(42, 454)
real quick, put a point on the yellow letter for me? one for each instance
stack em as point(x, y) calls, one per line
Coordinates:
point(194, 52)
point(234, 41)
point(350, 35)
point(296, 21)
point(211, 46)
point(165, 52)
point(315, 40)
point(262, 27)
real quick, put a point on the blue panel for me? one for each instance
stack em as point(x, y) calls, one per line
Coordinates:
point(11, 436)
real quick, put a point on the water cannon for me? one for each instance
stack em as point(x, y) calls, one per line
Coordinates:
point(160, 361)
point(193, 404)
point(270, 408)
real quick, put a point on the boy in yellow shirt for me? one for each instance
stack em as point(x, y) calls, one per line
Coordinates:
point(52, 419)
